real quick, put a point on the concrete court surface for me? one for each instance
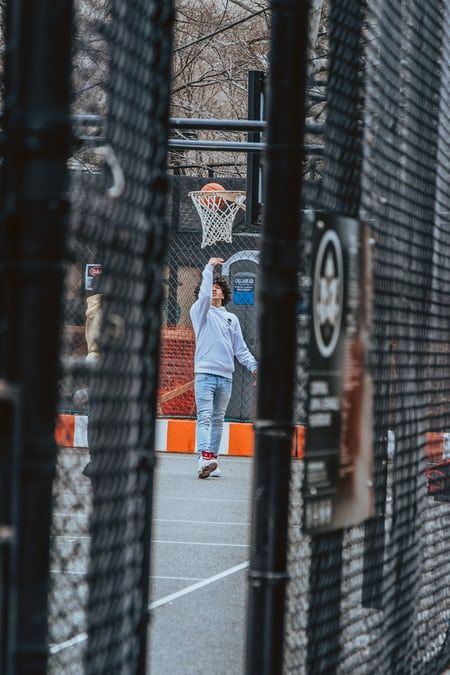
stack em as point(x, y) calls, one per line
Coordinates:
point(199, 571)
point(199, 566)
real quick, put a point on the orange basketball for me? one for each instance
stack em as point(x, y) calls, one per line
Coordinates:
point(216, 201)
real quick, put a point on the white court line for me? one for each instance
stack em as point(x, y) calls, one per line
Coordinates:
point(157, 541)
point(56, 649)
point(176, 520)
point(153, 576)
point(191, 456)
point(199, 522)
point(178, 473)
point(173, 520)
point(61, 646)
point(202, 499)
point(166, 520)
point(159, 497)
point(196, 587)
point(198, 543)
point(166, 472)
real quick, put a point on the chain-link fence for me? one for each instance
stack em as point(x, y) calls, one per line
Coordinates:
point(98, 618)
point(368, 598)
point(373, 597)
point(184, 262)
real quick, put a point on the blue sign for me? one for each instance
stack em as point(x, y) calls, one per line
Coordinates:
point(244, 290)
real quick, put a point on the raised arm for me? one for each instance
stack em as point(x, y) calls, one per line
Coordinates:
point(200, 308)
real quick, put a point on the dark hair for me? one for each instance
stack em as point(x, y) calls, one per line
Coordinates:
point(224, 285)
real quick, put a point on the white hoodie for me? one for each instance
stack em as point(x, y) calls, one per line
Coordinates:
point(218, 334)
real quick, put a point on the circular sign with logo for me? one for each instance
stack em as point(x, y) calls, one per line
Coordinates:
point(95, 270)
point(328, 292)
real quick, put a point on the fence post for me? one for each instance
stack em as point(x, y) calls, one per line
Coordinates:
point(255, 111)
point(34, 212)
point(342, 196)
point(278, 307)
point(154, 254)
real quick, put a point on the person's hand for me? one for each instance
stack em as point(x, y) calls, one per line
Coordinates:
point(215, 261)
point(255, 375)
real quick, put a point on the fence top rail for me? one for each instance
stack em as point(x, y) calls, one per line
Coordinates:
point(197, 123)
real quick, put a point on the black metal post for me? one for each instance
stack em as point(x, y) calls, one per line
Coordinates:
point(277, 325)
point(35, 205)
point(250, 124)
point(219, 146)
point(341, 195)
point(212, 146)
point(255, 112)
point(172, 297)
point(9, 447)
point(155, 256)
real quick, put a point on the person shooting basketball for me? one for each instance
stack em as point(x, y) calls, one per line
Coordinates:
point(219, 340)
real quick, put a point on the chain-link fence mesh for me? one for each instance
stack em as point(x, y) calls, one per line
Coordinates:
point(373, 598)
point(182, 271)
point(184, 264)
point(101, 533)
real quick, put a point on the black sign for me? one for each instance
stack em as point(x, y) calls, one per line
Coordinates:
point(337, 486)
point(244, 289)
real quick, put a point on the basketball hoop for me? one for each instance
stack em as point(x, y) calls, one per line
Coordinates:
point(217, 210)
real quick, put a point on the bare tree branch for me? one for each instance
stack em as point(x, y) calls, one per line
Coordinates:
point(248, 7)
point(315, 17)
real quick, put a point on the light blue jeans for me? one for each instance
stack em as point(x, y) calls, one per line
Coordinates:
point(212, 395)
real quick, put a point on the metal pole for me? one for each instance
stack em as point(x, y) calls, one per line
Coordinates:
point(232, 146)
point(277, 324)
point(212, 146)
point(341, 195)
point(9, 493)
point(252, 125)
point(35, 206)
point(217, 124)
point(255, 111)
point(219, 146)
point(155, 254)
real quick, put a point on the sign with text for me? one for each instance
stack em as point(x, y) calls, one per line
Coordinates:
point(92, 274)
point(338, 481)
point(244, 289)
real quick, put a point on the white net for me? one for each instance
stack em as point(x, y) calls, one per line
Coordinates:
point(217, 210)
